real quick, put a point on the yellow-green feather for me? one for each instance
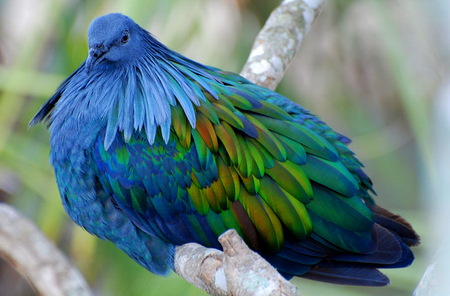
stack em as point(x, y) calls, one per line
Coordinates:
point(288, 212)
point(268, 140)
point(198, 199)
point(260, 218)
point(293, 179)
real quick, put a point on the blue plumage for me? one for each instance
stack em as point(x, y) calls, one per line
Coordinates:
point(153, 150)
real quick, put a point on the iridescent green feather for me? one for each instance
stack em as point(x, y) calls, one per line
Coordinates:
point(329, 205)
point(198, 199)
point(333, 175)
point(268, 140)
point(288, 213)
point(230, 183)
point(292, 179)
point(228, 141)
point(260, 218)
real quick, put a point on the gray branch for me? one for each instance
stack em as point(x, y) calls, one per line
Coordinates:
point(279, 40)
point(46, 268)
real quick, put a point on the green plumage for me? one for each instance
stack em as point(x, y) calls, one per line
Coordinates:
point(270, 173)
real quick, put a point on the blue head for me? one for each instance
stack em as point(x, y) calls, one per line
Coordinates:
point(114, 39)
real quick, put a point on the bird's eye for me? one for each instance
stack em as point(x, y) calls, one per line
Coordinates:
point(125, 37)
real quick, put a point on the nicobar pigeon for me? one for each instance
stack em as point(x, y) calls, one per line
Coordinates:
point(152, 150)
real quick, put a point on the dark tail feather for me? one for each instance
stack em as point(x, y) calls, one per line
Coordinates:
point(388, 250)
point(317, 259)
point(396, 224)
point(391, 252)
point(348, 276)
point(406, 260)
point(286, 266)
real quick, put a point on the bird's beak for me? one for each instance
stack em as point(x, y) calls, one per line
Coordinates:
point(95, 56)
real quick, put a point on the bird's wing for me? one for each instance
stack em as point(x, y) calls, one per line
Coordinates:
point(248, 165)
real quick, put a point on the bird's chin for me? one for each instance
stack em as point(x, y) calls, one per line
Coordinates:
point(89, 64)
point(99, 63)
point(102, 67)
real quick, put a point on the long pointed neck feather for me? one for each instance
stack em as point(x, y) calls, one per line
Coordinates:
point(146, 90)
point(138, 95)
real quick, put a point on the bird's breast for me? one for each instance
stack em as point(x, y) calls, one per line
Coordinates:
point(74, 133)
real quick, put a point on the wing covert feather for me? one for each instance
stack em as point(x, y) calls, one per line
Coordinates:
point(249, 164)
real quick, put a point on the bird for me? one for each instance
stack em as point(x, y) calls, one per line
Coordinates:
point(152, 150)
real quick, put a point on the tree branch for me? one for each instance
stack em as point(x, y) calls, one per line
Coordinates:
point(27, 249)
point(279, 40)
point(235, 271)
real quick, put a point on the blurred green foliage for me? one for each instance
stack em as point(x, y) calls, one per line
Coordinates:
point(368, 68)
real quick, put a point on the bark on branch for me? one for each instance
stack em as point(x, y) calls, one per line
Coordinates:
point(279, 40)
point(46, 268)
point(235, 271)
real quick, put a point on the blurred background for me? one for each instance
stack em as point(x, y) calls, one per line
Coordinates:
point(373, 70)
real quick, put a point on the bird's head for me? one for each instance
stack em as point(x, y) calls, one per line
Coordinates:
point(113, 39)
